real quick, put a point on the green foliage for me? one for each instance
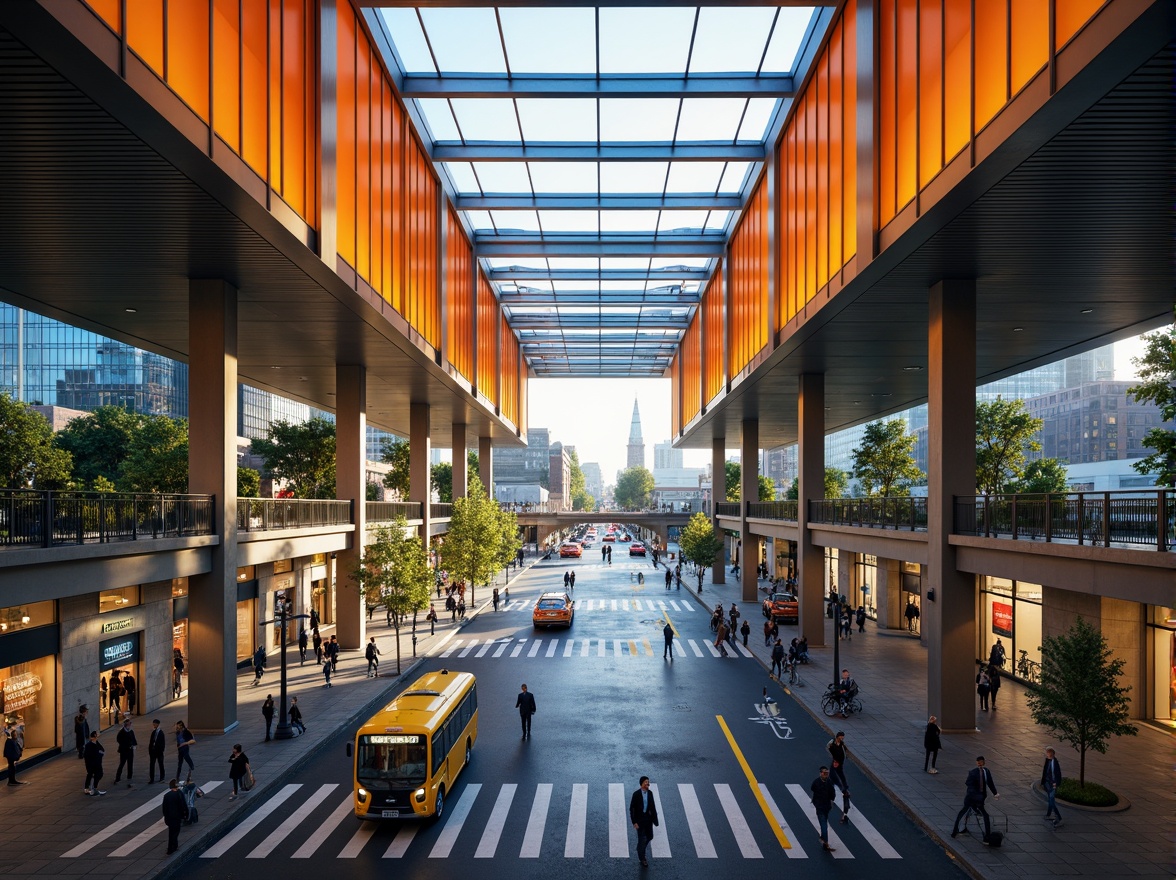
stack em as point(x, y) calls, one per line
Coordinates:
point(836, 485)
point(474, 544)
point(884, 464)
point(1157, 373)
point(99, 442)
point(103, 485)
point(28, 457)
point(1079, 698)
point(733, 473)
point(510, 542)
point(1004, 433)
point(793, 493)
point(441, 481)
point(394, 572)
point(1043, 476)
point(1090, 795)
point(301, 455)
point(395, 453)
point(766, 491)
point(248, 483)
point(634, 488)
point(371, 492)
point(157, 459)
point(699, 544)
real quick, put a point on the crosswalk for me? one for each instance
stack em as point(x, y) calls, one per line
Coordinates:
point(548, 820)
point(541, 647)
point(643, 605)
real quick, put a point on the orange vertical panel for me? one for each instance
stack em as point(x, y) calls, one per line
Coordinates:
point(187, 53)
point(1028, 41)
point(145, 32)
point(819, 90)
point(345, 135)
point(294, 61)
point(375, 153)
point(275, 94)
point(836, 149)
point(792, 264)
point(850, 136)
point(906, 101)
point(255, 83)
point(930, 90)
point(957, 76)
point(810, 197)
point(363, 157)
point(387, 167)
point(887, 112)
point(398, 159)
point(109, 12)
point(1071, 15)
point(487, 321)
point(992, 59)
point(226, 72)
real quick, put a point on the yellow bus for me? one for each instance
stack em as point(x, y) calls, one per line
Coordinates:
point(408, 754)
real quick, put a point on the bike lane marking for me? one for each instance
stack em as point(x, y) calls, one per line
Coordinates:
point(785, 843)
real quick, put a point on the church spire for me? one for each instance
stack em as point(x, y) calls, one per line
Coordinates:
point(636, 457)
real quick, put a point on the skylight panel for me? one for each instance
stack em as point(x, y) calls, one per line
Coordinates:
point(550, 40)
point(405, 31)
point(464, 40)
point(628, 221)
point(480, 221)
point(487, 119)
point(786, 39)
point(515, 221)
point(643, 40)
point(694, 177)
point(757, 118)
point(581, 263)
point(632, 177)
point(503, 177)
point(638, 119)
point(640, 263)
point(439, 119)
point(563, 177)
point(717, 220)
point(730, 39)
point(462, 175)
point(568, 221)
point(556, 120)
point(710, 119)
point(681, 221)
point(658, 264)
point(508, 262)
point(569, 286)
point(733, 177)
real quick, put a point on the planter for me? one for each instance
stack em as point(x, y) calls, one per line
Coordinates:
point(1123, 804)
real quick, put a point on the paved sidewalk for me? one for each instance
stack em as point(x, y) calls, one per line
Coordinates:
point(41, 820)
point(886, 743)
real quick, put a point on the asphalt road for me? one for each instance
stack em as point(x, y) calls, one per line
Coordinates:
point(731, 777)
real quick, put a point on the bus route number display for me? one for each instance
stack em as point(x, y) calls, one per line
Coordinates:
point(393, 740)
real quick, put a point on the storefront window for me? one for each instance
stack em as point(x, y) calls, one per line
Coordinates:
point(28, 694)
point(831, 570)
point(245, 629)
point(27, 616)
point(865, 586)
point(114, 600)
point(1162, 636)
point(246, 573)
point(1012, 613)
point(179, 587)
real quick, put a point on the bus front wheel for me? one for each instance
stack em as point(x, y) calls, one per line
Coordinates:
point(439, 808)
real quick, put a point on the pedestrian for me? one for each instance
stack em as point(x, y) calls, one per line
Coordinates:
point(184, 743)
point(372, 653)
point(132, 691)
point(846, 622)
point(721, 639)
point(317, 641)
point(127, 743)
point(775, 634)
point(432, 617)
point(102, 693)
point(994, 677)
point(175, 814)
point(567, 579)
point(734, 615)
point(977, 785)
point(81, 730)
point(669, 578)
point(451, 607)
point(267, 712)
point(668, 634)
point(327, 671)
point(156, 748)
point(572, 581)
point(296, 716)
point(1051, 777)
point(314, 618)
point(836, 749)
point(116, 692)
point(778, 659)
point(519, 557)
point(767, 633)
point(823, 794)
point(931, 744)
point(92, 755)
point(333, 651)
point(861, 618)
point(983, 686)
point(643, 815)
point(494, 599)
point(178, 663)
point(745, 631)
point(239, 771)
point(258, 665)
point(996, 656)
point(302, 642)
point(525, 703)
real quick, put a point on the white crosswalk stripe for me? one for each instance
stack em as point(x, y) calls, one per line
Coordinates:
point(457, 817)
point(222, 846)
point(533, 841)
point(552, 648)
point(287, 828)
point(802, 798)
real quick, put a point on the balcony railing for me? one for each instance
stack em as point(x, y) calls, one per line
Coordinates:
point(728, 508)
point(271, 514)
point(902, 514)
point(1144, 517)
point(440, 511)
point(785, 510)
point(32, 518)
point(387, 511)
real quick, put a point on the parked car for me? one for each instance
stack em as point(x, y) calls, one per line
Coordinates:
point(636, 549)
point(570, 548)
point(782, 608)
point(553, 609)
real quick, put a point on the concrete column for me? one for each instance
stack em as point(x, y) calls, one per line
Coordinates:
point(420, 454)
point(810, 558)
point(486, 465)
point(212, 470)
point(888, 602)
point(948, 613)
point(718, 495)
point(350, 485)
point(460, 463)
point(749, 493)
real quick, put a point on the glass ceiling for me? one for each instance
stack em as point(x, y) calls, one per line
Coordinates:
point(599, 156)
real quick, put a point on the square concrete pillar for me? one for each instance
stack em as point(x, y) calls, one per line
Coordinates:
point(810, 558)
point(486, 465)
point(948, 613)
point(888, 603)
point(212, 470)
point(460, 463)
point(718, 495)
point(749, 493)
point(351, 485)
point(420, 453)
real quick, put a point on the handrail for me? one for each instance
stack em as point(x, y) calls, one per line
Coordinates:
point(51, 518)
point(388, 511)
point(789, 511)
point(728, 508)
point(904, 513)
point(270, 514)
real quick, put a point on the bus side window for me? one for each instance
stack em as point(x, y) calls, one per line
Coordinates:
point(473, 698)
point(439, 750)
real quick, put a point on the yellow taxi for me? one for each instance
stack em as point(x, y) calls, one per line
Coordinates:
point(553, 609)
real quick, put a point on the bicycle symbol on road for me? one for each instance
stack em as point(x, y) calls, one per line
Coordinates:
point(769, 713)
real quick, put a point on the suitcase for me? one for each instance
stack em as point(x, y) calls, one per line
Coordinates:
point(995, 839)
point(190, 793)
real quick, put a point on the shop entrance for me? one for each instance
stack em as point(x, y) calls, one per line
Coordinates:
point(119, 678)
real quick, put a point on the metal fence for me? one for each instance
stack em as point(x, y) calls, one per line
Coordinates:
point(270, 514)
point(32, 518)
point(728, 508)
point(387, 511)
point(1144, 517)
point(785, 510)
point(440, 511)
point(903, 514)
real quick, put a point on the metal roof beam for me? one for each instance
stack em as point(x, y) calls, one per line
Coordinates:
point(533, 297)
point(587, 245)
point(532, 321)
point(589, 4)
point(605, 86)
point(602, 202)
point(719, 151)
point(537, 273)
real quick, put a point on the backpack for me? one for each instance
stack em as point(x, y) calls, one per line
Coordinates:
point(370, 652)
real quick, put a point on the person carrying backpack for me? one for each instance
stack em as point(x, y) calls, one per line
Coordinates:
point(258, 665)
point(372, 653)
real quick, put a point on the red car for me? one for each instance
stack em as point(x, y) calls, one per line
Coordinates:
point(571, 549)
point(636, 549)
point(782, 608)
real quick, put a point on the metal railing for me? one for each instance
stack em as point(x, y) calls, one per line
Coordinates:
point(785, 510)
point(387, 511)
point(526, 507)
point(33, 518)
point(902, 514)
point(440, 511)
point(271, 514)
point(728, 508)
point(1141, 517)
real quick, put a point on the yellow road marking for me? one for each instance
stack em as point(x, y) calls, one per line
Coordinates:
point(671, 623)
point(755, 789)
point(648, 647)
point(632, 648)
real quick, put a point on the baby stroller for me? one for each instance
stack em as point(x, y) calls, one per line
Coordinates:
point(191, 792)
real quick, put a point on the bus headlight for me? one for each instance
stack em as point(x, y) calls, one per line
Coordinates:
point(419, 794)
point(362, 795)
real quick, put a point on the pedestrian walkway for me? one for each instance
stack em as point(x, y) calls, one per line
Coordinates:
point(886, 743)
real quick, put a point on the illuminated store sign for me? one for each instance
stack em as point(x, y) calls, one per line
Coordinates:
point(20, 691)
point(120, 625)
point(113, 653)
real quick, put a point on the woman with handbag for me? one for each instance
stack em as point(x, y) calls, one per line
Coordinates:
point(239, 771)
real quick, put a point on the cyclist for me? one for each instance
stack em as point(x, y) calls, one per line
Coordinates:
point(846, 689)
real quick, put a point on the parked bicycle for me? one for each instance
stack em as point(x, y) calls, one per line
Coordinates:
point(793, 670)
point(833, 702)
point(1029, 670)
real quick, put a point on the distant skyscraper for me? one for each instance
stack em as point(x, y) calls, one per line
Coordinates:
point(593, 479)
point(666, 456)
point(636, 456)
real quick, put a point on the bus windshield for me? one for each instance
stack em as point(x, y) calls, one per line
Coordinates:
point(392, 760)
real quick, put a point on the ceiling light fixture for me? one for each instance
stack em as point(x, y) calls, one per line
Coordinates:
point(130, 311)
point(913, 368)
point(1086, 311)
point(1018, 329)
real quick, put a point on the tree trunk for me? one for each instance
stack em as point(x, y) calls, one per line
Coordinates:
point(1082, 764)
point(397, 619)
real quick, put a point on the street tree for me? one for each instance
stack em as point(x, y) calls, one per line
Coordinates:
point(99, 442)
point(884, 464)
point(1157, 374)
point(634, 489)
point(836, 485)
point(732, 474)
point(28, 457)
point(441, 476)
point(1079, 698)
point(302, 455)
point(1004, 433)
point(473, 544)
point(248, 482)
point(510, 542)
point(1043, 476)
point(395, 453)
point(157, 459)
point(699, 544)
point(766, 488)
point(394, 573)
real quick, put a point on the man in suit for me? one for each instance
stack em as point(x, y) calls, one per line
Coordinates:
point(979, 779)
point(525, 703)
point(156, 746)
point(127, 743)
point(175, 812)
point(1051, 776)
point(643, 815)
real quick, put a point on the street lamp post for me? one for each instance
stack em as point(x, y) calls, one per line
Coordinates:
point(283, 731)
